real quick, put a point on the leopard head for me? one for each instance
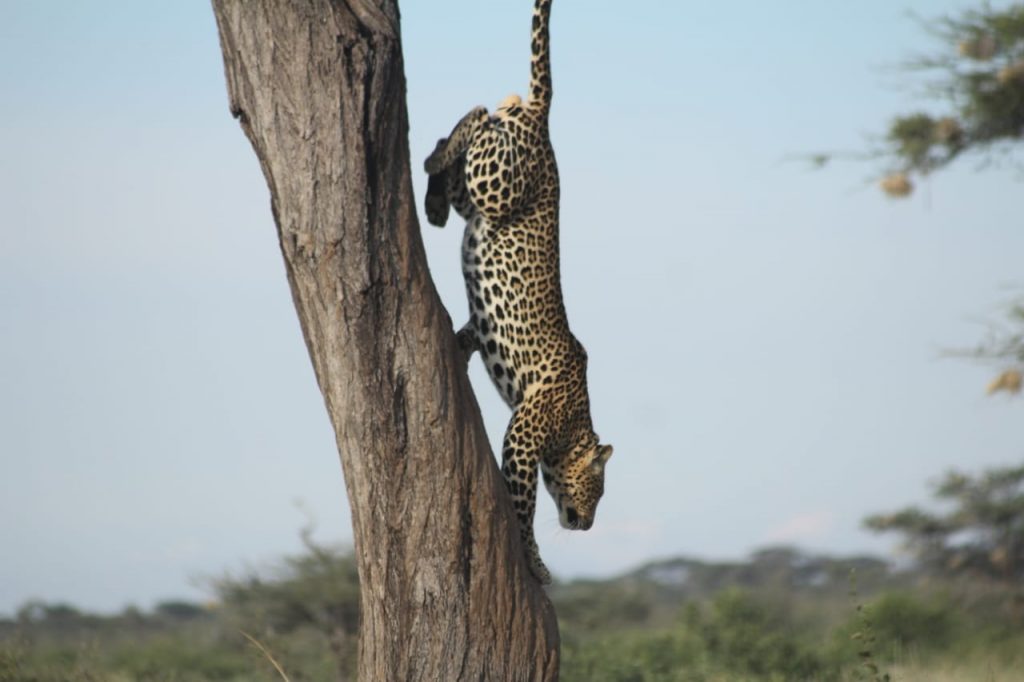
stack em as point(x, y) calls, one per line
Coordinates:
point(578, 486)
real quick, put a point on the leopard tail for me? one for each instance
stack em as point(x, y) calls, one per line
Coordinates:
point(540, 61)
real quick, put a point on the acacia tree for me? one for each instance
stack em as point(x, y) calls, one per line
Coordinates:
point(318, 87)
point(982, 535)
point(977, 74)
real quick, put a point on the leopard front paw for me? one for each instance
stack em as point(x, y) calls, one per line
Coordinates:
point(533, 560)
point(539, 570)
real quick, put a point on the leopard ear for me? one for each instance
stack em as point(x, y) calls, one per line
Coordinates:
point(603, 453)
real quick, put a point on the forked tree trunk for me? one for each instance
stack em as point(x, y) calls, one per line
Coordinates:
point(319, 89)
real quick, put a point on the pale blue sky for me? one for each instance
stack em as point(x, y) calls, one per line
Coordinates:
point(764, 340)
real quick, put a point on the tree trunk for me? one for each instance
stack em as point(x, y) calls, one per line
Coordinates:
point(319, 89)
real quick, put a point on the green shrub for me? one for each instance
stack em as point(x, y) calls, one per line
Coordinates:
point(912, 622)
point(635, 657)
point(899, 624)
point(742, 635)
point(737, 637)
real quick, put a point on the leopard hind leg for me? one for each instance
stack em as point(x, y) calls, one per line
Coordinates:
point(453, 147)
point(436, 203)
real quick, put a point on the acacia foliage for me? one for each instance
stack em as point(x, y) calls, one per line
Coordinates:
point(980, 536)
point(977, 73)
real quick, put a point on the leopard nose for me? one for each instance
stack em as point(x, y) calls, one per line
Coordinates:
point(571, 516)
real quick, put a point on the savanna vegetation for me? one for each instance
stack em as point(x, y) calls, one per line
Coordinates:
point(955, 613)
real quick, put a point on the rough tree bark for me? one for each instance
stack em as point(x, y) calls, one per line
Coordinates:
point(319, 89)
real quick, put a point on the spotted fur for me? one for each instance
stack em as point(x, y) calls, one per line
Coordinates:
point(498, 171)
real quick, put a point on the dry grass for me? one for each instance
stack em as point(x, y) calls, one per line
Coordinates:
point(266, 654)
point(967, 672)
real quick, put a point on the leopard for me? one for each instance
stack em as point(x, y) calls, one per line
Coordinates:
point(497, 170)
